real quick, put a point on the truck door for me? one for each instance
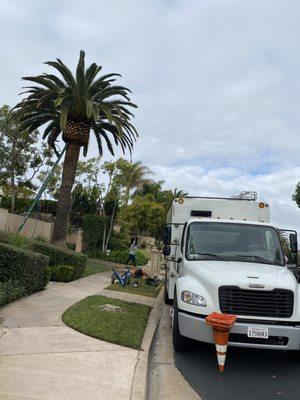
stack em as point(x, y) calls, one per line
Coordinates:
point(172, 252)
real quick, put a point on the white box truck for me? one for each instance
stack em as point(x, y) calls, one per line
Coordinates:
point(223, 255)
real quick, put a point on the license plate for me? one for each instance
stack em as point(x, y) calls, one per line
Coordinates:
point(256, 332)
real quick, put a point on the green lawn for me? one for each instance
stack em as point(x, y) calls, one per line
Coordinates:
point(123, 328)
point(142, 289)
point(94, 267)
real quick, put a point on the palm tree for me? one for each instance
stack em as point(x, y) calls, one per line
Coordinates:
point(73, 106)
point(151, 187)
point(178, 193)
point(132, 176)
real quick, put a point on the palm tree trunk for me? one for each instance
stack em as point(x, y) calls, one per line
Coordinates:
point(13, 193)
point(64, 200)
point(112, 219)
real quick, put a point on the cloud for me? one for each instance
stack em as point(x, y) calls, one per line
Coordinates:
point(217, 83)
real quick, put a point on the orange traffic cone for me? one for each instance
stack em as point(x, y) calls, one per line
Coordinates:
point(221, 325)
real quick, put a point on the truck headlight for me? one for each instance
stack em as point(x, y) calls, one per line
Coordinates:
point(193, 298)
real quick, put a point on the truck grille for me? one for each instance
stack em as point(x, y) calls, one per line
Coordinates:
point(277, 303)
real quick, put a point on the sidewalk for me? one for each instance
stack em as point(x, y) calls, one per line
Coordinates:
point(43, 359)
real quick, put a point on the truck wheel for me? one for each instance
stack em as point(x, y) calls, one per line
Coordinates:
point(166, 296)
point(180, 343)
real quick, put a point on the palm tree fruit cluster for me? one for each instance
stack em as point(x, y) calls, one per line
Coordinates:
point(77, 132)
point(72, 105)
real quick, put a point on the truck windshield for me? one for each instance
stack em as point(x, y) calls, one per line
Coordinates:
point(233, 242)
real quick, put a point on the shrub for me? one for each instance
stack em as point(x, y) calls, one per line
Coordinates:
point(93, 226)
point(47, 276)
point(10, 291)
point(121, 257)
point(115, 243)
point(71, 246)
point(13, 239)
point(62, 273)
point(18, 241)
point(22, 266)
point(58, 256)
point(41, 238)
point(21, 206)
point(4, 237)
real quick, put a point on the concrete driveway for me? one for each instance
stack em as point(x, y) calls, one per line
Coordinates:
point(42, 359)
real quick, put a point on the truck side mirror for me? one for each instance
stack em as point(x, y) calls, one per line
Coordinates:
point(166, 250)
point(293, 243)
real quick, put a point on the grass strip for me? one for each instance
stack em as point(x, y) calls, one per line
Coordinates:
point(142, 289)
point(124, 328)
point(94, 267)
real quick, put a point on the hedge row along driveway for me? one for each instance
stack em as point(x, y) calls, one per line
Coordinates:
point(23, 269)
point(27, 265)
point(61, 258)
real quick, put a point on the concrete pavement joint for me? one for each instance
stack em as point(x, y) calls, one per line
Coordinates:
point(65, 352)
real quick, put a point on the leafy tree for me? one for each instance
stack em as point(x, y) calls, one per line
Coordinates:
point(151, 187)
point(20, 157)
point(143, 216)
point(296, 195)
point(73, 106)
point(109, 203)
point(84, 201)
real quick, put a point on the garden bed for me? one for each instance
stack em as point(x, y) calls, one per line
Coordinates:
point(142, 289)
point(125, 328)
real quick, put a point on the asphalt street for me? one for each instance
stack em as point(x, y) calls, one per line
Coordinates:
point(249, 374)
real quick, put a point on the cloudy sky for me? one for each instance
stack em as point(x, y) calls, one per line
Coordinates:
point(217, 83)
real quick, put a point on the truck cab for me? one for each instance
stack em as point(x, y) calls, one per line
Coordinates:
point(223, 255)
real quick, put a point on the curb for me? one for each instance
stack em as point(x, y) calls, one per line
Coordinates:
point(140, 379)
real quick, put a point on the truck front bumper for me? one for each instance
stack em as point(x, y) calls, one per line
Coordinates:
point(281, 337)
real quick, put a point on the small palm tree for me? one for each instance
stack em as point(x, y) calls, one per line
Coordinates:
point(132, 176)
point(179, 193)
point(150, 187)
point(73, 106)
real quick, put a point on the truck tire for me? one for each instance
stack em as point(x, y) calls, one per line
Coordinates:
point(166, 296)
point(180, 343)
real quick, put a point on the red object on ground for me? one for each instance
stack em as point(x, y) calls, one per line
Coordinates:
point(221, 325)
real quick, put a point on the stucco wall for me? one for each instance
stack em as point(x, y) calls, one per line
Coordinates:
point(3, 219)
point(33, 227)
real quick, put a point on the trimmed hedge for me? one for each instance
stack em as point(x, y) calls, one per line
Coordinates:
point(10, 291)
point(93, 226)
point(58, 256)
point(47, 276)
point(62, 273)
point(23, 266)
point(121, 257)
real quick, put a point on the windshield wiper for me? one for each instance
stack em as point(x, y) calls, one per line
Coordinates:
point(210, 255)
point(258, 258)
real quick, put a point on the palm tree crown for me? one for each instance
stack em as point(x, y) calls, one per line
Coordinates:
point(75, 104)
point(133, 176)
